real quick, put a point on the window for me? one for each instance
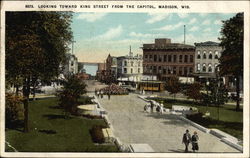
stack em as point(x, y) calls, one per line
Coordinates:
point(72, 63)
point(150, 56)
point(164, 71)
point(169, 70)
point(204, 69)
point(131, 70)
point(132, 63)
point(190, 70)
point(216, 55)
point(125, 63)
point(159, 59)
point(146, 56)
point(159, 69)
point(198, 55)
point(191, 58)
point(209, 67)
point(185, 71)
point(139, 70)
point(165, 58)
point(180, 70)
point(174, 58)
point(154, 69)
point(174, 70)
point(169, 58)
point(186, 59)
point(210, 56)
point(125, 70)
point(204, 55)
point(155, 57)
point(216, 68)
point(198, 67)
point(180, 58)
point(139, 63)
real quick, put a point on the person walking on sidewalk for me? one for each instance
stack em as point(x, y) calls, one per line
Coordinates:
point(195, 139)
point(186, 139)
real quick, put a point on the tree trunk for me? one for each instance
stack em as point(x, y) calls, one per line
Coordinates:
point(26, 92)
point(237, 93)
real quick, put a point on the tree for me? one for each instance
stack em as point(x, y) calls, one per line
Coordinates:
point(173, 85)
point(36, 44)
point(218, 93)
point(231, 60)
point(73, 88)
point(193, 91)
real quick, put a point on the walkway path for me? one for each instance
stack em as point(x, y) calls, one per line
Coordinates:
point(162, 132)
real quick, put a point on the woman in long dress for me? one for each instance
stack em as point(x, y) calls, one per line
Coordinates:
point(195, 139)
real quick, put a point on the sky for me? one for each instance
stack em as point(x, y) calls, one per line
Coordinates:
point(100, 34)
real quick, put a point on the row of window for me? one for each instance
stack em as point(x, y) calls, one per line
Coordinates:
point(169, 70)
point(207, 68)
point(125, 63)
point(125, 70)
point(170, 58)
point(210, 55)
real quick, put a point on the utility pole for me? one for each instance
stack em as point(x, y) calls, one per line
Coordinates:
point(73, 45)
point(184, 34)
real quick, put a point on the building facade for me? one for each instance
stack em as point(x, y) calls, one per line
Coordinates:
point(111, 69)
point(130, 67)
point(165, 59)
point(71, 66)
point(207, 56)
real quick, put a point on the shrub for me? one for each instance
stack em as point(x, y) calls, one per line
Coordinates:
point(73, 88)
point(14, 110)
point(96, 134)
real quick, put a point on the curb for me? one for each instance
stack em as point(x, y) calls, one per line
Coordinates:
point(203, 129)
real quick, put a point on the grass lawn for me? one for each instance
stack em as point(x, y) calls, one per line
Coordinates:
point(50, 132)
point(229, 121)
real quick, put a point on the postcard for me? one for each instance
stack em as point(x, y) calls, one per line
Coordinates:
point(124, 78)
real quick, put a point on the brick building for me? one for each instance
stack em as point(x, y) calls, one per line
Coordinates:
point(165, 59)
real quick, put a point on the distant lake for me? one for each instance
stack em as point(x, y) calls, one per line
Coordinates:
point(91, 69)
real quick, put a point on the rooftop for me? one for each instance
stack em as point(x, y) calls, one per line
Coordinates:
point(165, 44)
point(207, 43)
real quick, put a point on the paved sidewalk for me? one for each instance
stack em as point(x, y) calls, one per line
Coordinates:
point(162, 132)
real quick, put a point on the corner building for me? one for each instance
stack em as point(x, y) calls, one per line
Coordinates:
point(165, 59)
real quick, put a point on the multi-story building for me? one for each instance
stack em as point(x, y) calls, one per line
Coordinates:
point(71, 66)
point(111, 69)
point(207, 56)
point(165, 59)
point(130, 67)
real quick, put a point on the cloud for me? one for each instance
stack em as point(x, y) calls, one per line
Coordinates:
point(192, 21)
point(194, 28)
point(206, 22)
point(111, 33)
point(170, 27)
point(91, 17)
point(156, 17)
point(182, 15)
point(207, 30)
point(144, 35)
point(218, 22)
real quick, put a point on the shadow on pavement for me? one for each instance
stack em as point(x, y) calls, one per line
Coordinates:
point(53, 116)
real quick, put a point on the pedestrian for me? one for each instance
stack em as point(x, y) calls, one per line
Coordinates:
point(146, 107)
point(98, 93)
point(186, 139)
point(152, 106)
point(95, 92)
point(195, 139)
point(161, 109)
point(109, 95)
point(101, 94)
